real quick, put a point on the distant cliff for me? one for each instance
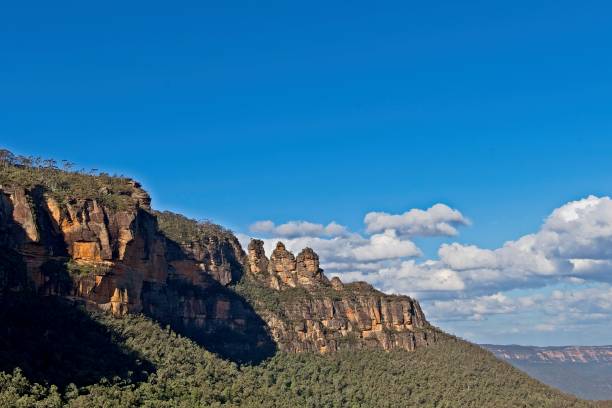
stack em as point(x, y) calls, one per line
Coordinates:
point(94, 239)
point(565, 354)
point(585, 371)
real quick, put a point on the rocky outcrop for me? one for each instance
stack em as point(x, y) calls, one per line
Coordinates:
point(131, 259)
point(119, 260)
point(366, 320)
point(120, 249)
point(257, 261)
point(283, 269)
point(81, 249)
point(308, 272)
point(218, 257)
point(316, 314)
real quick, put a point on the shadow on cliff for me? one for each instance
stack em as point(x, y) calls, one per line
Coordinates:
point(53, 341)
point(212, 315)
point(48, 337)
point(56, 342)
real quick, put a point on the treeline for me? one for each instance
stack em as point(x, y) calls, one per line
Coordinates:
point(182, 229)
point(452, 373)
point(62, 181)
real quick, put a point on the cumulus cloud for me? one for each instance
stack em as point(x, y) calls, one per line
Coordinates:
point(519, 263)
point(580, 229)
point(385, 246)
point(467, 283)
point(350, 254)
point(437, 220)
point(294, 229)
point(473, 308)
point(561, 306)
point(574, 242)
point(589, 301)
point(410, 276)
point(345, 253)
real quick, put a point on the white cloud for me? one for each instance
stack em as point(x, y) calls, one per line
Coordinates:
point(579, 229)
point(461, 257)
point(474, 308)
point(580, 302)
point(410, 277)
point(574, 242)
point(343, 252)
point(294, 229)
point(350, 253)
point(559, 306)
point(440, 219)
point(466, 283)
point(385, 246)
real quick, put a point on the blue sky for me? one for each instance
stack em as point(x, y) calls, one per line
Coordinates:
point(327, 112)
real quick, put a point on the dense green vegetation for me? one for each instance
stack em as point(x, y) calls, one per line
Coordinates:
point(54, 353)
point(64, 183)
point(76, 268)
point(180, 229)
point(167, 370)
point(265, 299)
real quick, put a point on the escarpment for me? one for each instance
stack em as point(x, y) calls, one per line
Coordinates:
point(308, 312)
point(109, 254)
point(95, 240)
point(121, 260)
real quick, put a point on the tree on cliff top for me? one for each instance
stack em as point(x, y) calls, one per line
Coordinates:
point(64, 184)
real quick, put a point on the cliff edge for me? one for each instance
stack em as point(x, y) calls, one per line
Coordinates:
point(95, 240)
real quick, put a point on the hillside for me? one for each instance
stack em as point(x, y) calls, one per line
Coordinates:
point(585, 371)
point(145, 364)
point(95, 239)
point(105, 302)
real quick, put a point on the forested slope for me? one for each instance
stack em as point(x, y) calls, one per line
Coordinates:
point(133, 361)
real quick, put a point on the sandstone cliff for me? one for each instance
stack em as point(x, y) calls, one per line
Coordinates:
point(108, 254)
point(118, 259)
point(308, 312)
point(97, 241)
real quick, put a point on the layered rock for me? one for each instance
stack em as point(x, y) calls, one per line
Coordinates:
point(115, 250)
point(308, 272)
point(214, 257)
point(317, 314)
point(283, 269)
point(130, 259)
point(119, 260)
point(257, 261)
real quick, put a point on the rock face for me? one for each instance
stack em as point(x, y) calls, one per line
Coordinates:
point(119, 260)
point(283, 269)
point(257, 261)
point(122, 248)
point(129, 259)
point(317, 314)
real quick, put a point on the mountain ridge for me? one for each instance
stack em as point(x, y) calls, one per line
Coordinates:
point(106, 247)
point(181, 315)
